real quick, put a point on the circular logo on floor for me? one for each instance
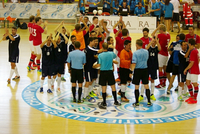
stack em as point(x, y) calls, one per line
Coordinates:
point(165, 109)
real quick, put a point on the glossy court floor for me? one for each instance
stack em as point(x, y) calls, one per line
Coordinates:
point(20, 115)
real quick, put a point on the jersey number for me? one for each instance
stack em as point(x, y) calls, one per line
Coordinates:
point(34, 32)
point(152, 54)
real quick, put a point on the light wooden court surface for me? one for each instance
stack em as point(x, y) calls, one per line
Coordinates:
point(17, 117)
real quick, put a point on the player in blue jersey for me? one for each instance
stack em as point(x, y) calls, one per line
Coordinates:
point(105, 62)
point(13, 48)
point(48, 61)
point(173, 67)
point(60, 52)
point(90, 73)
point(152, 65)
point(139, 11)
point(75, 61)
point(65, 32)
point(106, 6)
point(183, 63)
point(139, 66)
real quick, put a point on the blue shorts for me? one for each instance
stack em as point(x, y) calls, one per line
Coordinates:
point(59, 69)
point(153, 73)
point(48, 70)
point(14, 59)
point(90, 75)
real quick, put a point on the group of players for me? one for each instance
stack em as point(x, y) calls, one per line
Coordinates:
point(90, 55)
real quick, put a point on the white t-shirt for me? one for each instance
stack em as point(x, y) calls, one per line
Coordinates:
point(107, 35)
point(188, 1)
point(14, 1)
point(176, 5)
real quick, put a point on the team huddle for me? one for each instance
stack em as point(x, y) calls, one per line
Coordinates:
point(91, 59)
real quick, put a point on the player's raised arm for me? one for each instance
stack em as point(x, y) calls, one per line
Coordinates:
point(43, 43)
point(45, 27)
point(66, 39)
point(67, 31)
point(56, 29)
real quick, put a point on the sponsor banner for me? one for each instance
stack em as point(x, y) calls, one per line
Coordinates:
point(133, 23)
point(47, 11)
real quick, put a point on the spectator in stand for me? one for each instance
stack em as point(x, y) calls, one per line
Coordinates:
point(155, 10)
point(146, 5)
point(14, 1)
point(42, 1)
point(132, 7)
point(115, 6)
point(93, 4)
point(106, 6)
point(175, 18)
point(124, 10)
point(137, 1)
point(162, 5)
point(68, 1)
point(81, 5)
point(168, 13)
point(139, 11)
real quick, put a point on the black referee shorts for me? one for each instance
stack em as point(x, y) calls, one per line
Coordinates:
point(140, 74)
point(124, 75)
point(106, 77)
point(76, 75)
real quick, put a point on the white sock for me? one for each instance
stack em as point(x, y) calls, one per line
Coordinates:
point(123, 88)
point(152, 88)
point(16, 71)
point(93, 84)
point(11, 73)
point(90, 88)
point(85, 92)
point(97, 80)
point(41, 83)
point(185, 89)
point(62, 75)
point(49, 83)
point(58, 82)
point(99, 89)
point(52, 81)
point(179, 90)
point(142, 90)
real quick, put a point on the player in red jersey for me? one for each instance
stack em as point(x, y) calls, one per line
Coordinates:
point(120, 45)
point(95, 22)
point(164, 39)
point(37, 38)
point(194, 36)
point(193, 72)
point(120, 25)
point(33, 56)
point(145, 39)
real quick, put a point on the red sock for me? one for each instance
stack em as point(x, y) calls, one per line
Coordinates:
point(31, 60)
point(34, 56)
point(38, 64)
point(196, 90)
point(161, 77)
point(191, 21)
point(190, 90)
point(186, 21)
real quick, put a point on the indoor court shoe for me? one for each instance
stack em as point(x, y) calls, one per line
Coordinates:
point(119, 93)
point(163, 86)
point(34, 65)
point(39, 71)
point(153, 97)
point(16, 77)
point(192, 101)
point(186, 95)
point(168, 92)
point(117, 104)
point(101, 105)
point(135, 104)
point(29, 68)
point(117, 80)
point(180, 98)
point(188, 99)
point(149, 104)
point(92, 100)
point(63, 79)
point(141, 98)
point(124, 99)
point(58, 90)
point(80, 101)
point(158, 86)
point(49, 91)
point(32, 68)
point(41, 90)
point(92, 94)
point(8, 81)
point(74, 100)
